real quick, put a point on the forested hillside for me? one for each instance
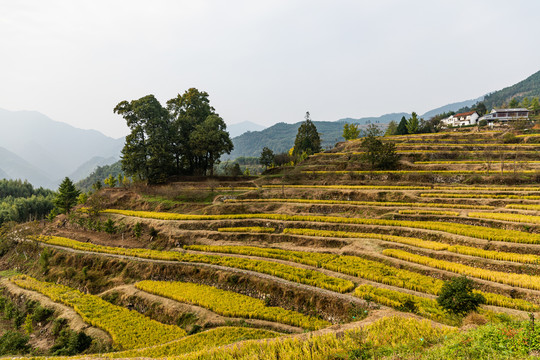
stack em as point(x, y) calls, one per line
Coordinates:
point(280, 137)
point(99, 174)
point(530, 87)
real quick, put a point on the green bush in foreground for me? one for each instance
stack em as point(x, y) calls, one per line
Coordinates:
point(457, 296)
point(491, 341)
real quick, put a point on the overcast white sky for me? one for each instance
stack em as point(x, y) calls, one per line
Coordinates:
point(262, 61)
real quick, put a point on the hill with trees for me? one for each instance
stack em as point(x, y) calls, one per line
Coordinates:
point(530, 88)
point(99, 174)
point(280, 137)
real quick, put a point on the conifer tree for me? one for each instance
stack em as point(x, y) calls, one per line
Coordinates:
point(307, 139)
point(402, 127)
point(67, 196)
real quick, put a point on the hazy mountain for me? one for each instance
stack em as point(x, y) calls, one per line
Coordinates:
point(245, 126)
point(383, 119)
point(15, 167)
point(280, 137)
point(530, 87)
point(55, 148)
point(451, 107)
point(3, 174)
point(88, 167)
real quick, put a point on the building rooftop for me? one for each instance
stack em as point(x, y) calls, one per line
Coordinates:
point(513, 109)
point(465, 114)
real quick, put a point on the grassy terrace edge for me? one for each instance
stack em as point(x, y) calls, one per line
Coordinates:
point(363, 268)
point(479, 232)
point(128, 328)
point(291, 273)
point(229, 303)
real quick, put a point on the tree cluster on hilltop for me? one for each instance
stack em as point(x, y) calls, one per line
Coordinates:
point(187, 137)
point(19, 188)
point(19, 201)
point(413, 125)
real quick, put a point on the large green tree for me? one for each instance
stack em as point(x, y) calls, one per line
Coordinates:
point(188, 111)
point(267, 157)
point(514, 103)
point(457, 296)
point(378, 154)
point(208, 141)
point(307, 139)
point(67, 196)
point(147, 151)
point(186, 138)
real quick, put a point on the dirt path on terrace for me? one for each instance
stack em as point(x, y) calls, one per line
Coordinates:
point(205, 317)
point(75, 321)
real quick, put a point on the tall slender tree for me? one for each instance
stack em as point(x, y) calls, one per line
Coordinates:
point(266, 158)
point(307, 139)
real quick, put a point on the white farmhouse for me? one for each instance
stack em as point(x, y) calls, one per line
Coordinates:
point(462, 119)
point(449, 121)
point(466, 118)
point(505, 115)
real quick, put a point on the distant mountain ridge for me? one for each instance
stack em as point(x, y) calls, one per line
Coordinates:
point(50, 150)
point(451, 107)
point(243, 127)
point(88, 167)
point(280, 137)
point(15, 167)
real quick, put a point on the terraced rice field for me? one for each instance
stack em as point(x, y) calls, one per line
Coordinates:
point(316, 251)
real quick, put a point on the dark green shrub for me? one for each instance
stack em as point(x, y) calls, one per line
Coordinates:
point(14, 343)
point(41, 313)
point(70, 342)
point(137, 230)
point(44, 258)
point(58, 325)
point(510, 138)
point(109, 226)
point(457, 296)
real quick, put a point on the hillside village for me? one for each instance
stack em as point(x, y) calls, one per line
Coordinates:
point(496, 117)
